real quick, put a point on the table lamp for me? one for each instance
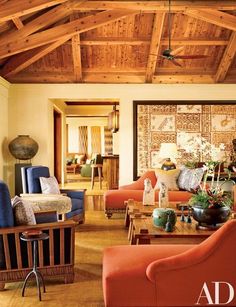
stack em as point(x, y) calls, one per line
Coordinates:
point(168, 151)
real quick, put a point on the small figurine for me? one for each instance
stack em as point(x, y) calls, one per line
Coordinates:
point(182, 218)
point(148, 194)
point(188, 218)
point(169, 226)
point(163, 196)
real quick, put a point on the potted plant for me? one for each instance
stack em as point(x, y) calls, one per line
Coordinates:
point(211, 205)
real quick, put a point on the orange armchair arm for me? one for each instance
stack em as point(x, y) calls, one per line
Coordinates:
point(193, 256)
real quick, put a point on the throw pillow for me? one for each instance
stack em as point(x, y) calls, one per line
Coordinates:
point(169, 178)
point(49, 185)
point(190, 179)
point(23, 212)
point(80, 159)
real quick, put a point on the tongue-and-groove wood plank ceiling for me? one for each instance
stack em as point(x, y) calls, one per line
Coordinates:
point(116, 41)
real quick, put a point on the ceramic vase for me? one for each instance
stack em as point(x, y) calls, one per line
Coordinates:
point(23, 147)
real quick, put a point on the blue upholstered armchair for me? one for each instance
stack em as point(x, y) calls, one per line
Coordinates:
point(16, 258)
point(31, 184)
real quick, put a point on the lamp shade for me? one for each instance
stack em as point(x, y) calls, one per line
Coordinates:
point(168, 150)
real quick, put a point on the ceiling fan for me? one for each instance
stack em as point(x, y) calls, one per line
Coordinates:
point(172, 55)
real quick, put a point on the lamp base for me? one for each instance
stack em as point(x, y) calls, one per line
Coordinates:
point(168, 165)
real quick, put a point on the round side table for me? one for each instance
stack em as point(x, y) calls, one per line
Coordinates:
point(35, 271)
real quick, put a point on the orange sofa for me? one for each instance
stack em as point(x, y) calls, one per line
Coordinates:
point(114, 199)
point(172, 275)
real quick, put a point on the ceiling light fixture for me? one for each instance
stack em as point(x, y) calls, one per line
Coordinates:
point(113, 120)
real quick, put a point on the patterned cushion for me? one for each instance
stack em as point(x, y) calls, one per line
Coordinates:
point(189, 179)
point(23, 212)
point(169, 178)
point(49, 185)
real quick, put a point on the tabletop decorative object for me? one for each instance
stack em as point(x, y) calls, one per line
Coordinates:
point(162, 215)
point(148, 193)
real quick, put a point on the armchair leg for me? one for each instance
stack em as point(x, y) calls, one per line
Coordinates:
point(69, 279)
point(108, 214)
point(2, 286)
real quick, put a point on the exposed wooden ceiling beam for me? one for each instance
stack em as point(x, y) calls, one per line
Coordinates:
point(176, 5)
point(183, 79)
point(18, 63)
point(18, 23)
point(12, 8)
point(109, 78)
point(44, 20)
point(227, 59)
point(215, 17)
point(76, 55)
point(141, 71)
point(155, 45)
point(144, 41)
point(63, 31)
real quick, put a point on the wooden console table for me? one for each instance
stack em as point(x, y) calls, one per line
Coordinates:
point(111, 171)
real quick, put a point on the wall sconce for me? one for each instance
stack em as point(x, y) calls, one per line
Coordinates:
point(113, 120)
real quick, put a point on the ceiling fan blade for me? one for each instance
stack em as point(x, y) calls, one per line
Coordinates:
point(193, 56)
point(175, 63)
point(177, 50)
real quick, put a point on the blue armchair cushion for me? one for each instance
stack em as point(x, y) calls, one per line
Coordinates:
point(6, 212)
point(77, 204)
point(33, 173)
point(77, 198)
point(6, 216)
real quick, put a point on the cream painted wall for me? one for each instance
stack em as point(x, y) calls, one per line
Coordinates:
point(4, 153)
point(31, 110)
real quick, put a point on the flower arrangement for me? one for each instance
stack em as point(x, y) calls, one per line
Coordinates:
point(212, 196)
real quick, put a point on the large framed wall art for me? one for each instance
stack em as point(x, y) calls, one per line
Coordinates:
point(156, 122)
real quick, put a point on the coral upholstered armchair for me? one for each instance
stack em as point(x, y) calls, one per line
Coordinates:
point(173, 275)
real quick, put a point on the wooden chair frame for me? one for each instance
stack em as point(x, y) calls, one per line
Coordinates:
point(63, 269)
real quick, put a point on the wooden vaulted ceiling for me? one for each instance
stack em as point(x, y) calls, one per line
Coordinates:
point(116, 41)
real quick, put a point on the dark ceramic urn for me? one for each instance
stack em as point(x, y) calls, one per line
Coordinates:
point(210, 217)
point(23, 147)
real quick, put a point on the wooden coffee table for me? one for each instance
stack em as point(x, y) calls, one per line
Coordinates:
point(136, 208)
point(142, 230)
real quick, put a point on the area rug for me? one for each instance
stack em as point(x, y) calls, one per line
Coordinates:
point(91, 238)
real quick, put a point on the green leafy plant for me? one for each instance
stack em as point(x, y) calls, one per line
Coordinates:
point(211, 199)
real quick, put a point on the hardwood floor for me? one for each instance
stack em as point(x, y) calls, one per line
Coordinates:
point(75, 181)
point(91, 238)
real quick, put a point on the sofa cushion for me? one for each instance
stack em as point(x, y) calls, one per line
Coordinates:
point(139, 184)
point(190, 179)
point(80, 159)
point(49, 185)
point(23, 212)
point(114, 199)
point(169, 178)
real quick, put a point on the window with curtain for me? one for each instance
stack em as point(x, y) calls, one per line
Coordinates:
point(83, 139)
